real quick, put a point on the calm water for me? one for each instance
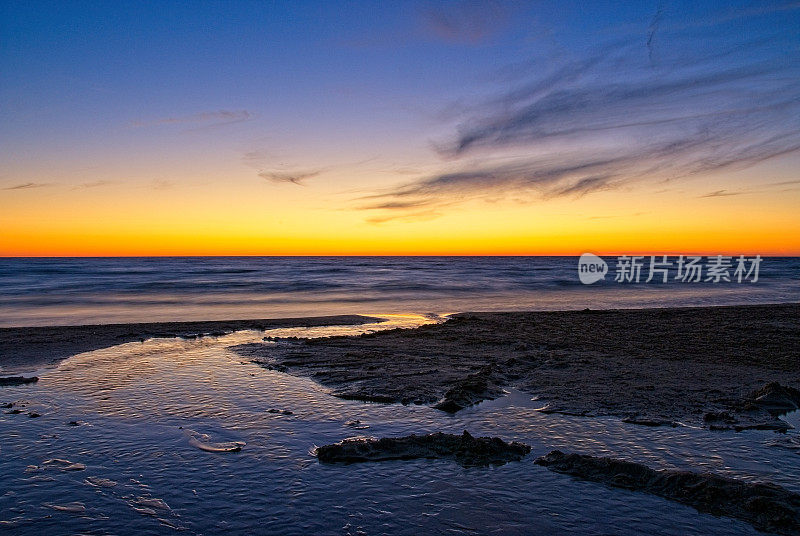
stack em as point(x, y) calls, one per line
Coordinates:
point(132, 466)
point(80, 291)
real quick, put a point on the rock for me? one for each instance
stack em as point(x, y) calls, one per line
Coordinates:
point(357, 424)
point(776, 399)
point(471, 390)
point(649, 421)
point(676, 364)
point(718, 417)
point(767, 507)
point(759, 411)
point(365, 397)
point(271, 366)
point(64, 465)
point(464, 449)
point(17, 380)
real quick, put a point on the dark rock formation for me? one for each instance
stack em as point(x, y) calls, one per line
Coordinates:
point(17, 380)
point(464, 449)
point(649, 421)
point(280, 411)
point(775, 399)
point(469, 391)
point(759, 410)
point(652, 366)
point(767, 507)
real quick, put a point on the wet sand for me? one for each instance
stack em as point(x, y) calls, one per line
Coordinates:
point(708, 366)
point(689, 356)
point(25, 349)
point(699, 366)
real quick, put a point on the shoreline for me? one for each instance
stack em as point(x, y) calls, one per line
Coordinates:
point(24, 349)
point(28, 348)
point(711, 366)
point(727, 367)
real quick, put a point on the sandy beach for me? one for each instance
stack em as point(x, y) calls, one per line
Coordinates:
point(644, 401)
point(698, 366)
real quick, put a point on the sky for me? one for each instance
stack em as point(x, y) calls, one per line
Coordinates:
point(360, 128)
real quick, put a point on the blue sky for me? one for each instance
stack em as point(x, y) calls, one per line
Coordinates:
point(413, 107)
point(76, 68)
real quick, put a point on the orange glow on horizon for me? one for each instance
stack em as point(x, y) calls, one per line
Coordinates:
point(263, 219)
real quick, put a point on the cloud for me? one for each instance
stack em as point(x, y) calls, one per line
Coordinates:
point(425, 215)
point(721, 193)
point(465, 21)
point(162, 184)
point(27, 186)
point(611, 118)
point(219, 117)
point(699, 102)
point(294, 177)
point(394, 205)
point(94, 184)
point(652, 29)
point(784, 183)
point(584, 186)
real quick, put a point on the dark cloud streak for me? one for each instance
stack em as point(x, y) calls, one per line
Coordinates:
point(721, 193)
point(215, 118)
point(652, 29)
point(27, 186)
point(465, 21)
point(613, 118)
point(293, 177)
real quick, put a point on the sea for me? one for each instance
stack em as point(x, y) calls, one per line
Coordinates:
point(74, 291)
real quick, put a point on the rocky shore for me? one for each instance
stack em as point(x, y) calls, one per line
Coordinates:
point(767, 507)
point(465, 449)
point(718, 367)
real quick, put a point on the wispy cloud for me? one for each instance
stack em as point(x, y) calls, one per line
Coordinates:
point(27, 186)
point(651, 30)
point(93, 184)
point(409, 217)
point(613, 118)
point(219, 117)
point(465, 21)
point(785, 183)
point(274, 168)
point(293, 177)
point(721, 193)
point(161, 184)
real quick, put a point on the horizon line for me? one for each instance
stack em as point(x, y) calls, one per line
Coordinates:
point(602, 254)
